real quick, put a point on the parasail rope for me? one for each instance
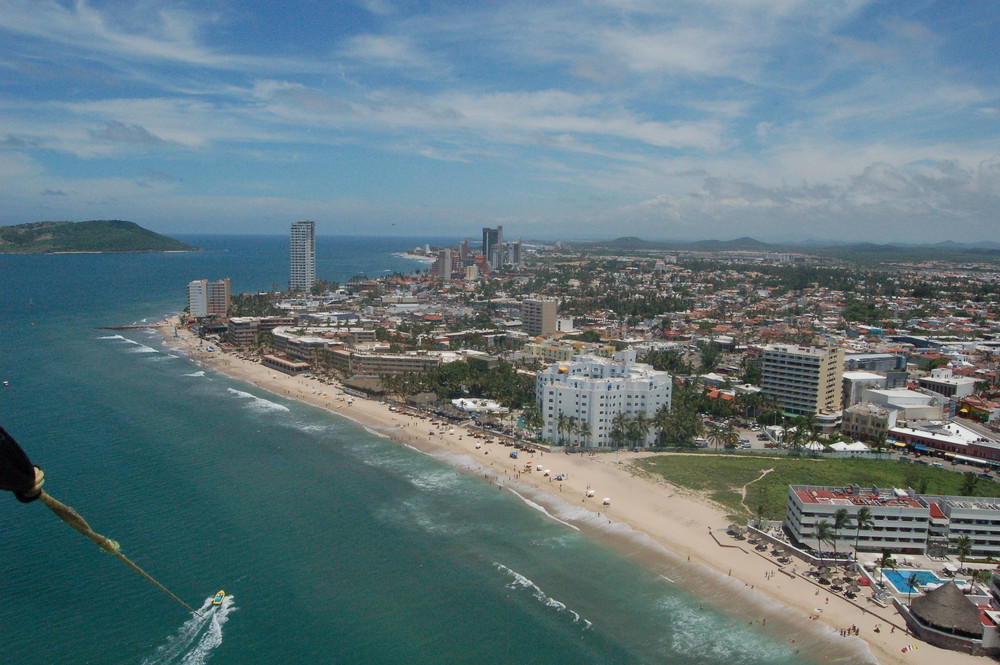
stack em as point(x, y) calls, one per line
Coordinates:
point(73, 518)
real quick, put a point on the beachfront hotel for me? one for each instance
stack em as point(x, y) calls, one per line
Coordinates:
point(303, 256)
point(902, 520)
point(207, 298)
point(594, 390)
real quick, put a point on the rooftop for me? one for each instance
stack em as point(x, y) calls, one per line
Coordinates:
point(855, 496)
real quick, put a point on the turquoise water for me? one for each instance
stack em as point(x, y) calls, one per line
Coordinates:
point(335, 544)
point(900, 578)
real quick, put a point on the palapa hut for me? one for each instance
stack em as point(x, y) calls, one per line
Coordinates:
point(945, 617)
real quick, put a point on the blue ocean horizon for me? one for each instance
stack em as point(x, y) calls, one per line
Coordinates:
point(335, 544)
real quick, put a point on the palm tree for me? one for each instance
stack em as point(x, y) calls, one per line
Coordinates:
point(730, 437)
point(863, 520)
point(886, 561)
point(562, 423)
point(662, 421)
point(964, 547)
point(841, 519)
point(533, 418)
point(716, 434)
point(911, 582)
point(879, 444)
point(619, 429)
point(981, 576)
point(583, 431)
point(823, 533)
point(638, 429)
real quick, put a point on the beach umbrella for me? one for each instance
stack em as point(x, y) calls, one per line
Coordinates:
point(19, 476)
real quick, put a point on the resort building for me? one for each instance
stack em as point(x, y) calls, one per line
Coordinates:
point(803, 379)
point(376, 363)
point(902, 520)
point(593, 391)
point(284, 365)
point(207, 298)
point(539, 317)
point(303, 256)
point(243, 330)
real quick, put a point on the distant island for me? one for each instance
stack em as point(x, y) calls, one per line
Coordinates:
point(99, 235)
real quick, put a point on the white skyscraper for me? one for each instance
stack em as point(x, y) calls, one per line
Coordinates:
point(303, 253)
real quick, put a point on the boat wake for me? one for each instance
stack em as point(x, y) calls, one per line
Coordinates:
point(197, 638)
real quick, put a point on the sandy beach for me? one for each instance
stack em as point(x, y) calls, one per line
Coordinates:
point(687, 526)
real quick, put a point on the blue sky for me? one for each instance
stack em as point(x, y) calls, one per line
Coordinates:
point(781, 120)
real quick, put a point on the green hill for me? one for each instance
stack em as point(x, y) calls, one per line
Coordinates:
point(99, 235)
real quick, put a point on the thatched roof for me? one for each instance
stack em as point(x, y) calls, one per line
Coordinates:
point(946, 608)
point(366, 384)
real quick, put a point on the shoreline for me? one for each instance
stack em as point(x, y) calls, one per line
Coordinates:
point(657, 524)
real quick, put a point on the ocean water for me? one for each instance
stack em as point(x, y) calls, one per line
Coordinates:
point(335, 544)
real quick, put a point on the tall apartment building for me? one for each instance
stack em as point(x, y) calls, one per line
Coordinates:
point(207, 298)
point(492, 239)
point(803, 379)
point(539, 316)
point(593, 391)
point(303, 256)
point(443, 264)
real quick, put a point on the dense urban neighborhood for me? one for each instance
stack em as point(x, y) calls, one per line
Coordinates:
point(718, 352)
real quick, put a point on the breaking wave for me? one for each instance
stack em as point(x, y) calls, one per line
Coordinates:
point(520, 581)
point(258, 403)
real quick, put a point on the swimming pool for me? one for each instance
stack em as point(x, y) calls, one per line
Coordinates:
point(900, 579)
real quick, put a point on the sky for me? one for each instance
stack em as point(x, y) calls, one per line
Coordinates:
point(783, 120)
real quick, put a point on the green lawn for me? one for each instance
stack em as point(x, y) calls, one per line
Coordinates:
point(720, 477)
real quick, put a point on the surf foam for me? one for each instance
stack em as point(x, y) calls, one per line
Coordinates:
point(258, 403)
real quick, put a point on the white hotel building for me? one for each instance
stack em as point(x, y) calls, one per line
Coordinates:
point(594, 390)
point(902, 520)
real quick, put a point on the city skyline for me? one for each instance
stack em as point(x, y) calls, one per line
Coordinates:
point(849, 120)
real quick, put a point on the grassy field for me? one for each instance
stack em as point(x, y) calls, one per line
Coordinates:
point(721, 478)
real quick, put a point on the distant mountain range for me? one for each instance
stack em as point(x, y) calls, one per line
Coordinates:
point(99, 235)
point(864, 252)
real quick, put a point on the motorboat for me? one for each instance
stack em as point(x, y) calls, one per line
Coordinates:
point(219, 597)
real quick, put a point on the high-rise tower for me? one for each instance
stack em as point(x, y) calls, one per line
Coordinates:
point(303, 255)
point(492, 239)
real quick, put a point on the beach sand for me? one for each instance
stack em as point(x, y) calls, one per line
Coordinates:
point(683, 523)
